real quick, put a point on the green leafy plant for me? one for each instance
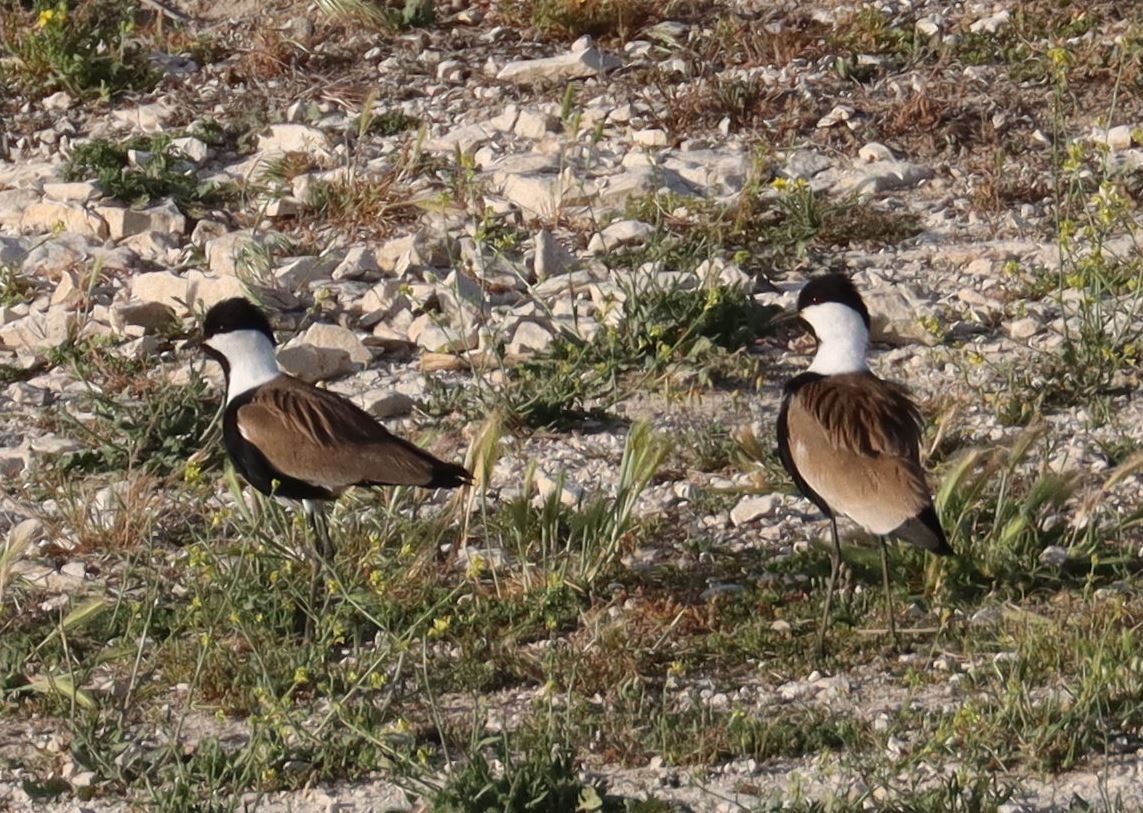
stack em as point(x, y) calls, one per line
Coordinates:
point(162, 172)
point(83, 48)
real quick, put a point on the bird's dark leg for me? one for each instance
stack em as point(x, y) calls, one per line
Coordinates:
point(888, 593)
point(324, 549)
point(834, 567)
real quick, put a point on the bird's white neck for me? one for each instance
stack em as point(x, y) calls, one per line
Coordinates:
point(250, 357)
point(842, 336)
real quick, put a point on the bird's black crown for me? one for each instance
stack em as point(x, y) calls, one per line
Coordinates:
point(236, 314)
point(832, 288)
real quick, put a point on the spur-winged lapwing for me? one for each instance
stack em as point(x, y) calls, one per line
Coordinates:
point(290, 439)
point(850, 440)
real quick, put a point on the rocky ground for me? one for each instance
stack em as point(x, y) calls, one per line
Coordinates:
point(525, 234)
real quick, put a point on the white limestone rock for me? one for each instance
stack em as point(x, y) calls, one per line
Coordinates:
point(46, 216)
point(754, 507)
point(283, 138)
point(551, 258)
point(324, 352)
point(530, 336)
point(40, 331)
point(572, 65)
point(618, 234)
point(163, 216)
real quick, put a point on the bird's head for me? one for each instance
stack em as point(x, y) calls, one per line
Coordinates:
point(834, 310)
point(238, 336)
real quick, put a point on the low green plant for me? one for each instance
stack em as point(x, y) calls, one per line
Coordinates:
point(1002, 509)
point(377, 16)
point(578, 544)
point(539, 779)
point(568, 19)
point(136, 422)
point(83, 48)
point(665, 330)
point(162, 171)
point(15, 288)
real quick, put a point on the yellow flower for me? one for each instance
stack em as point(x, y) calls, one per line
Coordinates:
point(46, 17)
point(779, 183)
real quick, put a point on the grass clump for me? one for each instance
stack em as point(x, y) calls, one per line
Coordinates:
point(1002, 510)
point(83, 48)
point(569, 19)
point(666, 332)
point(772, 226)
point(380, 16)
point(15, 288)
point(133, 421)
point(368, 205)
point(539, 779)
point(160, 171)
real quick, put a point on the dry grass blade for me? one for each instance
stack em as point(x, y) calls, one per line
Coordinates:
point(19, 540)
point(359, 12)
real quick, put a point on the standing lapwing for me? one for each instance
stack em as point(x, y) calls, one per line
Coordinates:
point(850, 440)
point(290, 439)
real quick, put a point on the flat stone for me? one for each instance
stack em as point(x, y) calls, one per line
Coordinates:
point(883, 176)
point(73, 191)
point(1119, 138)
point(282, 138)
point(875, 151)
point(39, 331)
point(146, 118)
point(161, 287)
point(530, 337)
point(47, 216)
point(436, 338)
point(536, 124)
point(300, 271)
point(992, 24)
point(751, 508)
point(1023, 328)
point(465, 138)
point(324, 352)
point(226, 254)
point(159, 247)
point(210, 289)
point(58, 101)
point(359, 262)
point(896, 316)
point(651, 138)
point(384, 404)
point(620, 233)
point(193, 148)
point(163, 216)
point(153, 317)
point(573, 65)
point(382, 301)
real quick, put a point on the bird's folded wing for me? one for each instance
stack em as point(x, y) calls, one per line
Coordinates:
point(857, 447)
point(863, 414)
point(318, 437)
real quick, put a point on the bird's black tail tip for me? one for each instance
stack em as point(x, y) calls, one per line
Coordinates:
point(449, 475)
point(924, 531)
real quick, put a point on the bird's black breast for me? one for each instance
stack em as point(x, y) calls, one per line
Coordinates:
point(783, 432)
point(253, 465)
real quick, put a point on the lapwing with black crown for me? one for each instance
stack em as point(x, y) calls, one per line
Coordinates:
point(851, 440)
point(290, 439)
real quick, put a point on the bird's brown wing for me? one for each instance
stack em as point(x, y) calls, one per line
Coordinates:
point(855, 441)
point(319, 437)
